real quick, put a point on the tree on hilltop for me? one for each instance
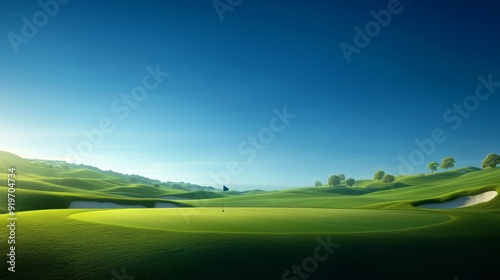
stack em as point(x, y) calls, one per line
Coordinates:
point(317, 183)
point(334, 180)
point(388, 178)
point(378, 175)
point(342, 177)
point(447, 162)
point(350, 182)
point(491, 160)
point(433, 166)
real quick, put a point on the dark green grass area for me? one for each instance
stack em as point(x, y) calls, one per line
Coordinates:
point(50, 245)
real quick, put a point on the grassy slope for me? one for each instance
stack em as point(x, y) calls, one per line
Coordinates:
point(39, 184)
point(51, 188)
point(409, 191)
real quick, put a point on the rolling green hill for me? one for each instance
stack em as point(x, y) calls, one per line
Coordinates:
point(39, 185)
point(45, 185)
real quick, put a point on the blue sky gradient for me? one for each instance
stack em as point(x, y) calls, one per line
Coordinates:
point(227, 76)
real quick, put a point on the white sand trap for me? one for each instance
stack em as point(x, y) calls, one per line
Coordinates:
point(165, 205)
point(93, 204)
point(463, 201)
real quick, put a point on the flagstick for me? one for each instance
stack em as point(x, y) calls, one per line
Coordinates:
point(223, 200)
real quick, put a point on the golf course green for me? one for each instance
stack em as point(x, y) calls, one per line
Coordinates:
point(266, 220)
point(372, 228)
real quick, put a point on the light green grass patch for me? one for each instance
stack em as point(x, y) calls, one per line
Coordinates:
point(266, 220)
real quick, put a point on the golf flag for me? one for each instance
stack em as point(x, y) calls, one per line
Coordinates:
point(224, 189)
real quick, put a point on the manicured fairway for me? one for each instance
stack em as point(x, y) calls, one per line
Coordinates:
point(266, 220)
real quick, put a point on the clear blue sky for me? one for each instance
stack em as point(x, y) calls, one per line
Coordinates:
point(227, 76)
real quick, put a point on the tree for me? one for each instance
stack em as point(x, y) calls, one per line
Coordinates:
point(317, 183)
point(156, 186)
point(133, 180)
point(433, 166)
point(447, 162)
point(491, 160)
point(378, 175)
point(342, 177)
point(350, 182)
point(333, 180)
point(388, 178)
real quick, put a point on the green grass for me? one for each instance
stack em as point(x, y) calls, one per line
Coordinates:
point(261, 235)
point(266, 220)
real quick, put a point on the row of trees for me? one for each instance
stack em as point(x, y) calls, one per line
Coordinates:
point(490, 161)
point(336, 180)
point(446, 163)
point(386, 178)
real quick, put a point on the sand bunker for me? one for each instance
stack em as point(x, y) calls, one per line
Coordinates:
point(463, 201)
point(93, 204)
